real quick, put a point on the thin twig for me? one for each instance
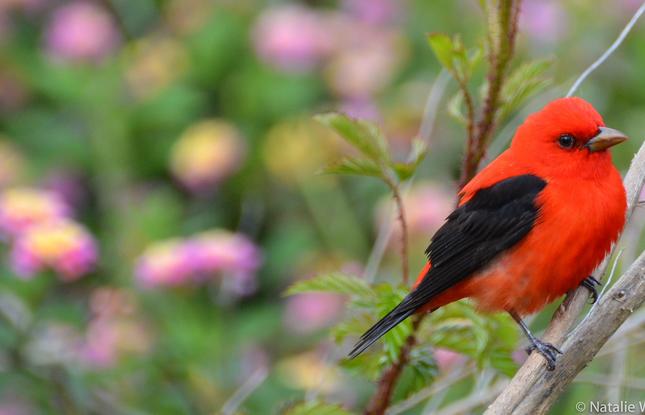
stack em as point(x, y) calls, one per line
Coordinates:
point(244, 391)
point(425, 133)
point(608, 52)
point(400, 209)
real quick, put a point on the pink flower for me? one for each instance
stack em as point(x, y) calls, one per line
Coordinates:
point(21, 208)
point(361, 108)
point(115, 329)
point(291, 38)
point(166, 263)
point(376, 12)
point(448, 359)
point(309, 312)
point(81, 31)
point(222, 251)
point(543, 20)
point(63, 246)
point(206, 153)
point(215, 253)
point(365, 58)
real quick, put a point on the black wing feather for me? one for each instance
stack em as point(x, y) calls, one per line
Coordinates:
point(492, 221)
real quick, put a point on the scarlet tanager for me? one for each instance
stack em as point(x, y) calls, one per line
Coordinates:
point(529, 227)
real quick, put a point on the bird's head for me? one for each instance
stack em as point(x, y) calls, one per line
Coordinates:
point(566, 137)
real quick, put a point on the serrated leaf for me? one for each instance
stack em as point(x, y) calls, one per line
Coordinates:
point(502, 360)
point(354, 166)
point(441, 45)
point(362, 135)
point(524, 82)
point(333, 283)
point(424, 368)
point(488, 339)
point(316, 408)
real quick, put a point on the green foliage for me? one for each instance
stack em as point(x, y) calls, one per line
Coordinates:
point(523, 82)
point(363, 135)
point(489, 340)
point(421, 371)
point(453, 56)
point(371, 144)
point(333, 283)
point(316, 408)
point(354, 166)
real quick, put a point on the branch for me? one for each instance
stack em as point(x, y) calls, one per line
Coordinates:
point(381, 399)
point(534, 389)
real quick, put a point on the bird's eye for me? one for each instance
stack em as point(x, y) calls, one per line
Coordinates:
point(566, 141)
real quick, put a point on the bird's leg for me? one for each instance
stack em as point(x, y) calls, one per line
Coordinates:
point(590, 283)
point(547, 350)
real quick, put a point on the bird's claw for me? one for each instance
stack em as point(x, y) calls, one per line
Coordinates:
point(591, 283)
point(547, 350)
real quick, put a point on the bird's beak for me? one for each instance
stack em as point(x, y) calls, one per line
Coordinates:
point(607, 137)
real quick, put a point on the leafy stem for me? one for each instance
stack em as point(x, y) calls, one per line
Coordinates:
point(502, 32)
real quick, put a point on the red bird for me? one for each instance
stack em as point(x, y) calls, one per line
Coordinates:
point(529, 227)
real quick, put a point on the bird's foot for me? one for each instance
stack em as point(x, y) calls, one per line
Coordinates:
point(591, 283)
point(547, 350)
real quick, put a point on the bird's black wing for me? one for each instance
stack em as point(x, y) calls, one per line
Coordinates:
point(492, 221)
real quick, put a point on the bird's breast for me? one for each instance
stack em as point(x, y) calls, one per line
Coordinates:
point(577, 224)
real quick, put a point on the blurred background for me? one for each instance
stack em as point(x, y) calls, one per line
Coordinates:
point(158, 191)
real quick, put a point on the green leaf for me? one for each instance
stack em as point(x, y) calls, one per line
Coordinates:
point(453, 56)
point(524, 82)
point(316, 408)
point(441, 45)
point(423, 367)
point(354, 166)
point(406, 170)
point(333, 283)
point(363, 135)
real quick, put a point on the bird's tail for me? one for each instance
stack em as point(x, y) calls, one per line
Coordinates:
point(402, 311)
point(378, 330)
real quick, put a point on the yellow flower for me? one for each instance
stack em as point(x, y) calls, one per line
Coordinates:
point(308, 371)
point(206, 153)
point(155, 62)
point(298, 148)
point(22, 207)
